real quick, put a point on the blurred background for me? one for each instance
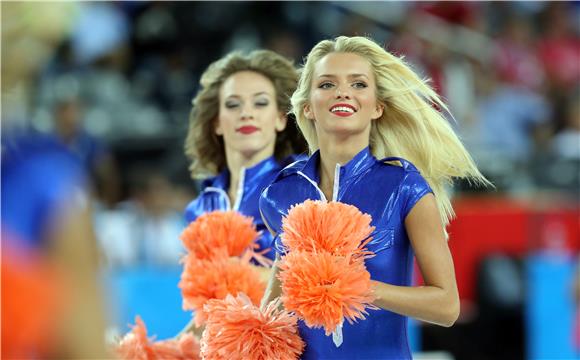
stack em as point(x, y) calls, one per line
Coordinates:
point(113, 81)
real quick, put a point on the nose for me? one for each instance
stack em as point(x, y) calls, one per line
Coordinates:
point(247, 112)
point(342, 92)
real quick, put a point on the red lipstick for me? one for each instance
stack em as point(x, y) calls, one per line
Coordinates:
point(248, 129)
point(342, 109)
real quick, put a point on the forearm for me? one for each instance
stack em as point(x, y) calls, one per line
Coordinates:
point(273, 289)
point(191, 328)
point(427, 303)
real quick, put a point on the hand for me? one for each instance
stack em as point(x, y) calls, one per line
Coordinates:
point(264, 272)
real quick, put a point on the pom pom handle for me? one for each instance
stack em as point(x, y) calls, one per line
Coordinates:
point(337, 336)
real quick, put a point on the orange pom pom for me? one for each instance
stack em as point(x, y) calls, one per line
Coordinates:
point(203, 280)
point(220, 234)
point(184, 348)
point(236, 329)
point(334, 227)
point(137, 346)
point(323, 288)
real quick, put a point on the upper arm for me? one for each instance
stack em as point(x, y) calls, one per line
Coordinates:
point(423, 225)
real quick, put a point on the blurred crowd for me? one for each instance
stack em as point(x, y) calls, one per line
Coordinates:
point(118, 90)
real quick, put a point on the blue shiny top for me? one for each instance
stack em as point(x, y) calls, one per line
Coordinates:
point(39, 176)
point(253, 180)
point(387, 192)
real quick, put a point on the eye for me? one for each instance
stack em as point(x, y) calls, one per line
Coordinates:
point(359, 85)
point(262, 103)
point(326, 85)
point(231, 104)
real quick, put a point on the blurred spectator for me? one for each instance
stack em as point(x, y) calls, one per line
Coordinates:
point(51, 304)
point(89, 45)
point(92, 153)
point(566, 142)
point(144, 230)
point(515, 58)
point(512, 120)
point(459, 13)
point(559, 46)
point(51, 301)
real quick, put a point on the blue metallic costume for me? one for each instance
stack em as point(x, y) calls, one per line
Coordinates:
point(253, 180)
point(388, 193)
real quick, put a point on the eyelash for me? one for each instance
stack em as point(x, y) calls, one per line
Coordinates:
point(235, 105)
point(356, 85)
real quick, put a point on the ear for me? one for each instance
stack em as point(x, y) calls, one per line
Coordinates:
point(281, 122)
point(217, 127)
point(379, 109)
point(308, 112)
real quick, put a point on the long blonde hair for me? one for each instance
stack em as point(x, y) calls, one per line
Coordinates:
point(411, 127)
point(202, 145)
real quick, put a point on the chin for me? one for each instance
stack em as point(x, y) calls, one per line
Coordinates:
point(344, 130)
point(250, 148)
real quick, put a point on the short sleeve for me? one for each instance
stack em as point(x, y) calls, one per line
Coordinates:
point(271, 214)
point(207, 201)
point(413, 188)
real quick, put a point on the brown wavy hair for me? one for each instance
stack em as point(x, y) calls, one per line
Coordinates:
point(206, 149)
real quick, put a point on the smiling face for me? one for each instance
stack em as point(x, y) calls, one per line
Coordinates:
point(343, 96)
point(249, 118)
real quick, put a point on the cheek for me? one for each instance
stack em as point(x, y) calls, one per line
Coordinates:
point(226, 122)
point(318, 104)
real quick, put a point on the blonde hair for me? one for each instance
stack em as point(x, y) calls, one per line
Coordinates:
point(202, 145)
point(410, 126)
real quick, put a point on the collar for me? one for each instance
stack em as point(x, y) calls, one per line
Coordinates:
point(222, 180)
point(355, 166)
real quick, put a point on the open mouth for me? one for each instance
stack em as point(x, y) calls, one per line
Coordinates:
point(343, 109)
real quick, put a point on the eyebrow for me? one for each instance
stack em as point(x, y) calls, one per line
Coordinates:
point(349, 75)
point(254, 95)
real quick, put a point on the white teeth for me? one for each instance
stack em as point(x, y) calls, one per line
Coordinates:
point(342, 109)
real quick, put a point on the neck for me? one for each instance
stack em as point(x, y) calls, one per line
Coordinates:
point(335, 150)
point(237, 161)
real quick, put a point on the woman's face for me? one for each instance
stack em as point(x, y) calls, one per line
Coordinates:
point(249, 117)
point(343, 98)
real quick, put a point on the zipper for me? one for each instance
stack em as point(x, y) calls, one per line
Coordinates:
point(336, 182)
point(240, 191)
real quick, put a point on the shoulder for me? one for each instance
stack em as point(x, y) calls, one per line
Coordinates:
point(399, 164)
point(290, 160)
point(291, 169)
point(284, 177)
point(210, 199)
point(401, 167)
point(413, 186)
point(276, 198)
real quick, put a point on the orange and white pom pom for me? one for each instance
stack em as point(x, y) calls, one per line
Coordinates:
point(237, 329)
point(203, 280)
point(335, 227)
point(135, 345)
point(186, 347)
point(220, 234)
point(323, 289)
